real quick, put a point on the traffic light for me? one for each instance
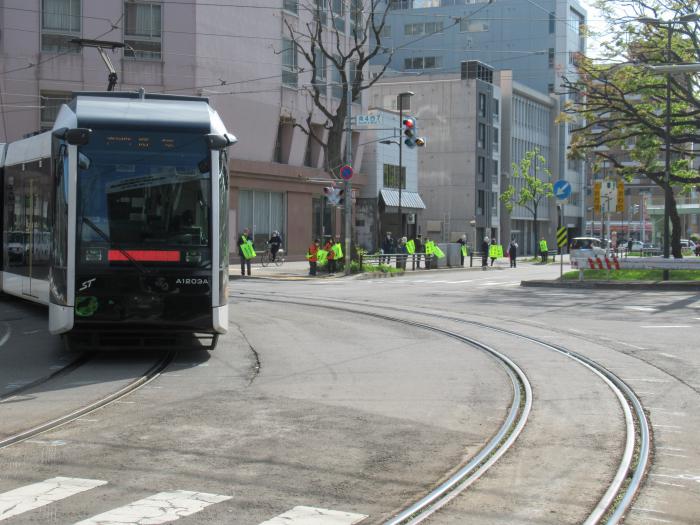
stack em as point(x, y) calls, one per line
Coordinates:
point(410, 132)
point(333, 194)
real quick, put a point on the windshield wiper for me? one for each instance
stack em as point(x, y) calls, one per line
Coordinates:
point(121, 250)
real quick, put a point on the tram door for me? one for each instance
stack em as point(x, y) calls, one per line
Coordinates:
point(36, 210)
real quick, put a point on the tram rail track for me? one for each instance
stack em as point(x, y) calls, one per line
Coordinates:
point(148, 376)
point(628, 478)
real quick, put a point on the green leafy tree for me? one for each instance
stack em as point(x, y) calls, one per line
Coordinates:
point(530, 186)
point(618, 104)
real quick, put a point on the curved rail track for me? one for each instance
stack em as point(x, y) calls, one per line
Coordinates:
point(152, 373)
point(628, 478)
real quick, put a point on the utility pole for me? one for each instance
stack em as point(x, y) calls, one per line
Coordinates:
point(347, 185)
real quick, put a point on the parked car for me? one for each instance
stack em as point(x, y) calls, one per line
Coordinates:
point(585, 247)
point(687, 244)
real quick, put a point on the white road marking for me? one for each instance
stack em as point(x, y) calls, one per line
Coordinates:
point(666, 326)
point(53, 443)
point(668, 355)
point(671, 448)
point(315, 516)
point(163, 507)
point(641, 308)
point(648, 380)
point(30, 497)
point(667, 426)
point(631, 345)
point(465, 281)
point(6, 335)
point(669, 484)
point(672, 455)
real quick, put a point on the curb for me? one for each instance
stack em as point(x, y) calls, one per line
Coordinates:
point(657, 286)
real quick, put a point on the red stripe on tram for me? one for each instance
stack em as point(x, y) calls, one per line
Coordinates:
point(145, 255)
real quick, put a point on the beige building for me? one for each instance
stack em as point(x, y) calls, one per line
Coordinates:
point(239, 57)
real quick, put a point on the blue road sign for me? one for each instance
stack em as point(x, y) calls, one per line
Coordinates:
point(562, 189)
point(346, 172)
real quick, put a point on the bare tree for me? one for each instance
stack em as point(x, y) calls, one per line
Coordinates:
point(324, 42)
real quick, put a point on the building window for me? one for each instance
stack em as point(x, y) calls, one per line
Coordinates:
point(356, 19)
point(550, 57)
point(496, 110)
point(494, 204)
point(481, 168)
point(60, 23)
point(482, 104)
point(413, 29)
point(51, 102)
point(283, 144)
point(422, 62)
point(338, 15)
point(290, 75)
point(480, 202)
point(320, 68)
point(472, 26)
point(432, 28)
point(142, 30)
point(321, 12)
point(291, 5)
point(263, 212)
point(495, 140)
point(481, 137)
point(552, 23)
point(495, 174)
point(391, 176)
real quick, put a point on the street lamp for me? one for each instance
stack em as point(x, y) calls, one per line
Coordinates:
point(669, 69)
point(401, 100)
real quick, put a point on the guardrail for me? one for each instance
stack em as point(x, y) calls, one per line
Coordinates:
point(400, 260)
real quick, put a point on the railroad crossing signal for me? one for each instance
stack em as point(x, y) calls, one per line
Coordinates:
point(562, 236)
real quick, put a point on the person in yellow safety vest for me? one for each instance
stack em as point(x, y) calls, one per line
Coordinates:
point(331, 256)
point(312, 256)
point(544, 252)
point(462, 241)
point(493, 251)
point(245, 262)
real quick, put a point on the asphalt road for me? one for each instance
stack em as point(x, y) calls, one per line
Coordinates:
point(305, 412)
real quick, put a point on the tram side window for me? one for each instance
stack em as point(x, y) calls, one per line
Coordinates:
point(59, 253)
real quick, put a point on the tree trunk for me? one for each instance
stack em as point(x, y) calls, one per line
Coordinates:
point(675, 228)
point(536, 232)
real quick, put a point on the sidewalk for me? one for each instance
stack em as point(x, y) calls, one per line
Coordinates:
point(299, 270)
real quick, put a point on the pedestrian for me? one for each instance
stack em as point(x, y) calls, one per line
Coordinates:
point(312, 256)
point(275, 243)
point(331, 256)
point(492, 251)
point(402, 251)
point(513, 253)
point(419, 250)
point(388, 247)
point(485, 253)
point(462, 241)
point(544, 252)
point(245, 239)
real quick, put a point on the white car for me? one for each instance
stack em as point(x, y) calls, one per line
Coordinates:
point(584, 247)
point(687, 244)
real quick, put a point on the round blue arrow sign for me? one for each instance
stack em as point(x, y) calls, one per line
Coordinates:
point(562, 189)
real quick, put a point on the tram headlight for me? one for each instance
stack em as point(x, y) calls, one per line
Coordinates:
point(193, 256)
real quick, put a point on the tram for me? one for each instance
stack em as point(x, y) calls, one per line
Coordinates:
point(117, 219)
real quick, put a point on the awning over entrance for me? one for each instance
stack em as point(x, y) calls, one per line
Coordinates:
point(410, 200)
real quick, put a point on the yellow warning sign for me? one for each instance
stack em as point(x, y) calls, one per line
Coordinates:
point(596, 195)
point(562, 236)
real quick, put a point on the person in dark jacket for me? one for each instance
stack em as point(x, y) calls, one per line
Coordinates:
point(513, 253)
point(485, 253)
point(388, 246)
point(243, 238)
point(275, 244)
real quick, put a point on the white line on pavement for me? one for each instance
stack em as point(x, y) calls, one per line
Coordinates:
point(631, 345)
point(666, 326)
point(641, 308)
point(160, 508)
point(29, 497)
point(315, 516)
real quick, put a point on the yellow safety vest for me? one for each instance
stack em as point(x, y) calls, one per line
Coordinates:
point(543, 245)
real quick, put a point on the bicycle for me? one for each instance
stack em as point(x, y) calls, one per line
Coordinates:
point(266, 257)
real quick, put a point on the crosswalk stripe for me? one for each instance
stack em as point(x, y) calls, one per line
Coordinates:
point(163, 507)
point(315, 516)
point(30, 497)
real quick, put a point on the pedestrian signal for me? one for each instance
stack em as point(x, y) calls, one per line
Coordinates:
point(333, 194)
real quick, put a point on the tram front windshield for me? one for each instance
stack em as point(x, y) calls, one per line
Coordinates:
point(144, 193)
